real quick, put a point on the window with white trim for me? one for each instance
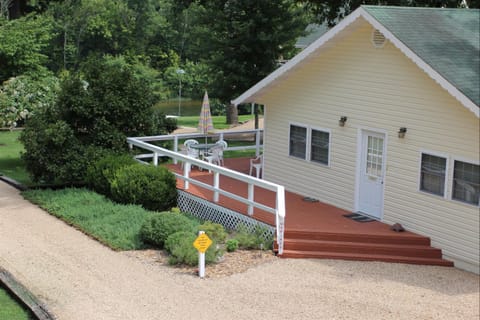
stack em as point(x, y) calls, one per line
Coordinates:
point(466, 182)
point(432, 174)
point(319, 146)
point(298, 141)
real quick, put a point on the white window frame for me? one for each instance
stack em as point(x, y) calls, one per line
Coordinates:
point(447, 173)
point(309, 133)
point(308, 157)
point(306, 139)
point(451, 176)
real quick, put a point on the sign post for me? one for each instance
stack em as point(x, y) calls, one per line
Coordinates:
point(201, 244)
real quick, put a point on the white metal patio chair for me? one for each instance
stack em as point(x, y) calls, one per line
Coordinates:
point(189, 151)
point(257, 164)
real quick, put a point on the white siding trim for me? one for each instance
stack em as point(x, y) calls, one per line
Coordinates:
point(248, 96)
point(447, 173)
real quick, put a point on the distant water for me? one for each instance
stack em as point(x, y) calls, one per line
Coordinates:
point(187, 107)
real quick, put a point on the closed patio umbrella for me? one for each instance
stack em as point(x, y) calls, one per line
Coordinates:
point(205, 124)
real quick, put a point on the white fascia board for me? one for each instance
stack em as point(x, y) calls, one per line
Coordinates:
point(299, 58)
point(437, 77)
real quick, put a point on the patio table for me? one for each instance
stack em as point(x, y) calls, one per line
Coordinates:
point(203, 147)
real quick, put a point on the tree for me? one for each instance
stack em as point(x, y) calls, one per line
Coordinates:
point(24, 45)
point(96, 110)
point(242, 40)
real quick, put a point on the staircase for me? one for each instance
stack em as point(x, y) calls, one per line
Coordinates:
point(398, 247)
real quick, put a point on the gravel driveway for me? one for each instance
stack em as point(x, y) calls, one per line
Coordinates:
point(78, 278)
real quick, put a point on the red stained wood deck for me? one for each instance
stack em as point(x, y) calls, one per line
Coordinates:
point(319, 230)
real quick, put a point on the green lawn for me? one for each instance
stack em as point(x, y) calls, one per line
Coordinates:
point(10, 163)
point(219, 122)
point(10, 309)
point(113, 224)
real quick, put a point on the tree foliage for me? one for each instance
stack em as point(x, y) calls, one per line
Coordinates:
point(241, 40)
point(96, 110)
point(24, 45)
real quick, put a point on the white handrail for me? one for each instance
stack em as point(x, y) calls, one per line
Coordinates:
point(278, 209)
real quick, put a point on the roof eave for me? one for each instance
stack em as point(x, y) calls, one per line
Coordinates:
point(247, 95)
point(444, 83)
point(437, 77)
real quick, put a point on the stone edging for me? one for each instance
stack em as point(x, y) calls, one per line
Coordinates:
point(25, 296)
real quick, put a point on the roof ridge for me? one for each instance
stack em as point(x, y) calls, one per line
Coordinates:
point(367, 6)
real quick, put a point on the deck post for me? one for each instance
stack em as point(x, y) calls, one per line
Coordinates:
point(216, 185)
point(250, 198)
point(257, 143)
point(175, 148)
point(155, 158)
point(280, 217)
point(186, 173)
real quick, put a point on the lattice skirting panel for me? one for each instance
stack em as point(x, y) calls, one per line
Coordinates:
point(230, 219)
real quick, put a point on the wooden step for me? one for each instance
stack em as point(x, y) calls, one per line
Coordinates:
point(405, 238)
point(365, 257)
point(363, 248)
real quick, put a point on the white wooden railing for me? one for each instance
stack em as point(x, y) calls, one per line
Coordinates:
point(155, 151)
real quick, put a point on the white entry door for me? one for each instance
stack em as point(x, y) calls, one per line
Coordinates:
point(372, 173)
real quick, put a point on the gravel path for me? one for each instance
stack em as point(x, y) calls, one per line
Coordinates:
point(77, 278)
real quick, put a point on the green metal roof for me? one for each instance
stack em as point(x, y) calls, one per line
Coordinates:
point(446, 39)
point(313, 32)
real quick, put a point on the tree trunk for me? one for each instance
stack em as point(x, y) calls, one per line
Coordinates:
point(232, 114)
point(17, 9)
point(255, 112)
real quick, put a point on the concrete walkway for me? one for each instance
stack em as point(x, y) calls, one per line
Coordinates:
point(78, 278)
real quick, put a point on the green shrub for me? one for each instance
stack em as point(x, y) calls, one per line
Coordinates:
point(101, 173)
point(181, 249)
point(160, 226)
point(215, 231)
point(232, 245)
point(252, 240)
point(154, 188)
point(97, 109)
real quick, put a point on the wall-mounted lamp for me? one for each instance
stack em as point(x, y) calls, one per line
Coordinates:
point(342, 121)
point(401, 132)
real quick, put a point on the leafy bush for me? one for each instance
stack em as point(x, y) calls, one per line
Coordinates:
point(252, 240)
point(215, 231)
point(101, 173)
point(155, 188)
point(181, 249)
point(22, 96)
point(232, 245)
point(160, 226)
point(95, 111)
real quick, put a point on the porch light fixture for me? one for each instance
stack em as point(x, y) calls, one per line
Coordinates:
point(401, 132)
point(342, 121)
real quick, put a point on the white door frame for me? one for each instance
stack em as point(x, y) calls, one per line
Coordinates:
point(360, 133)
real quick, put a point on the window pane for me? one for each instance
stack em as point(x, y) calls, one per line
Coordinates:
point(320, 146)
point(374, 156)
point(466, 182)
point(298, 142)
point(432, 177)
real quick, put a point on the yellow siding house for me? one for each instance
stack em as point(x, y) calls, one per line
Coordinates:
point(380, 115)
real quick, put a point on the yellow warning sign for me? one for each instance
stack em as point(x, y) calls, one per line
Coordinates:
point(202, 242)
